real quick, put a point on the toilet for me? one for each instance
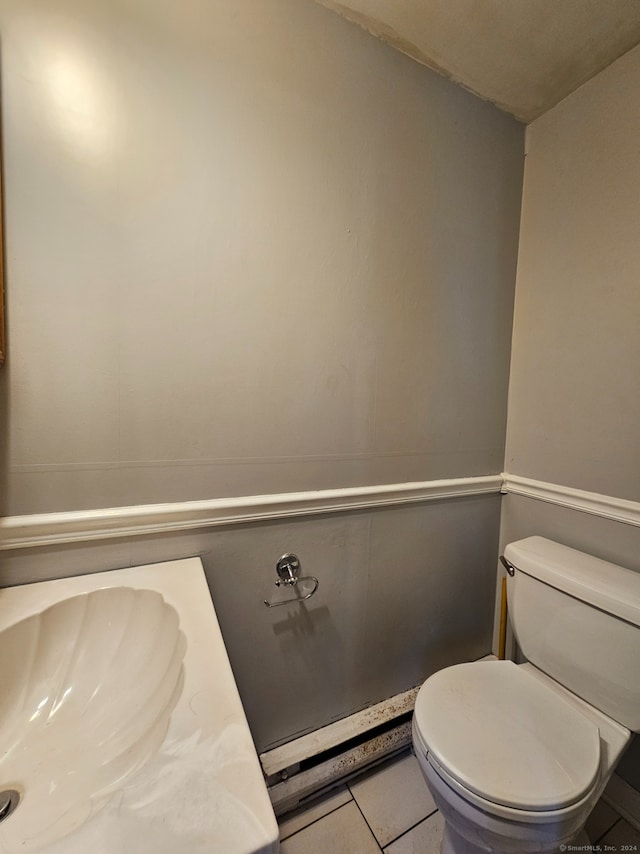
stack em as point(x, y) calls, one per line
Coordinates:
point(517, 755)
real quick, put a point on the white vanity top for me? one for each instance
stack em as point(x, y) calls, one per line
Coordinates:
point(201, 791)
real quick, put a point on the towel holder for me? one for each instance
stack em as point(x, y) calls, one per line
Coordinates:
point(288, 570)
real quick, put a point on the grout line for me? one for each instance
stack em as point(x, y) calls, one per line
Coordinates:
point(407, 751)
point(413, 826)
point(316, 820)
point(355, 800)
point(615, 823)
point(609, 829)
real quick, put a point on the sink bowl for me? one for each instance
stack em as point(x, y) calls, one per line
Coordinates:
point(121, 728)
point(88, 686)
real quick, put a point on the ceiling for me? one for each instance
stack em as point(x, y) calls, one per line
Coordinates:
point(523, 55)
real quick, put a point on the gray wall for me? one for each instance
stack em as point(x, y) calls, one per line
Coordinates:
point(574, 395)
point(403, 592)
point(250, 249)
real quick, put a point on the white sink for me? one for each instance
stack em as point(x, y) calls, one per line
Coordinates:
point(121, 728)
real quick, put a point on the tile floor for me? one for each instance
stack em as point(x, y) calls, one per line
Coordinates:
point(389, 809)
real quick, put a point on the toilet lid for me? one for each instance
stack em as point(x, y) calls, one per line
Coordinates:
point(507, 737)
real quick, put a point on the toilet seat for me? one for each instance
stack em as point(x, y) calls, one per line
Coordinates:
point(505, 741)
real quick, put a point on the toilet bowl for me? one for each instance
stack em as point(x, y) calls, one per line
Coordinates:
point(514, 762)
point(472, 828)
point(515, 759)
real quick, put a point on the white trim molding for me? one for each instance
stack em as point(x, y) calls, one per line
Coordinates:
point(49, 529)
point(80, 526)
point(606, 506)
point(339, 732)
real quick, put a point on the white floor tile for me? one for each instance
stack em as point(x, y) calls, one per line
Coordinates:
point(602, 819)
point(343, 831)
point(301, 817)
point(424, 838)
point(622, 837)
point(393, 797)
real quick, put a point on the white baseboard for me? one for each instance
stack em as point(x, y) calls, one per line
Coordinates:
point(624, 799)
point(289, 794)
point(330, 736)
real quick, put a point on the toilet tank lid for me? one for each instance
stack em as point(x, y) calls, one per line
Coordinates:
point(605, 585)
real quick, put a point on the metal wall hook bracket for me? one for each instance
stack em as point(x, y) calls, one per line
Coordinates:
point(288, 571)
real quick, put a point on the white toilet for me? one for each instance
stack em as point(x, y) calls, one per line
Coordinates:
point(516, 756)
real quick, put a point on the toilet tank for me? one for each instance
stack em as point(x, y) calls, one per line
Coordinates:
point(577, 618)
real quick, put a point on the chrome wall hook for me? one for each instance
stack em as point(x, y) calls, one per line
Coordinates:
point(288, 570)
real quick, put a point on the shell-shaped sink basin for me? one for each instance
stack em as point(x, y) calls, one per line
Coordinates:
point(88, 686)
point(121, 728)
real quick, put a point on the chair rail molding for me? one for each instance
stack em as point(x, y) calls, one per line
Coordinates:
point(48, 529)
point(606, 506)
